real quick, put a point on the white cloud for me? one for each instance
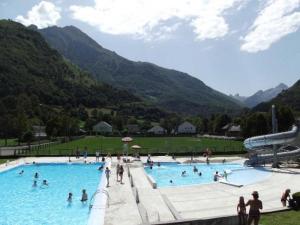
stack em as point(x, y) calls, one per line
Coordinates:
point(42, 15)
point(276, 20)
point(141, 18)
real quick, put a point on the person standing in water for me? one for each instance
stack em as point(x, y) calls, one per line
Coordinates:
point(70, 197)
point(84, 196)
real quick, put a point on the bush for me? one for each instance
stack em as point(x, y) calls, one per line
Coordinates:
point(296, 198)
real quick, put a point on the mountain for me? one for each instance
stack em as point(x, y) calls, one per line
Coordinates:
point(169, 89)
point(30, 69)
point(289, 97)
point(264, 96)
point(238, 97)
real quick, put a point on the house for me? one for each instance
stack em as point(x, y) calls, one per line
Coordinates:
point(102, 127)
point(39, 131)
point(186, 128)
point(133, 128)
point(157, 130)
point(232, 130)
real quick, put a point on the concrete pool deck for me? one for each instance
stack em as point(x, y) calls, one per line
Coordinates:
point(188, 202)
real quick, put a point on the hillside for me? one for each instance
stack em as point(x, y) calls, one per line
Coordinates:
point(170, 89)
point(264, 96)
point(289, 97)
point(30, 69)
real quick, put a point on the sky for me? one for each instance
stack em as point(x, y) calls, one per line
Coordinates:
point(234, 46)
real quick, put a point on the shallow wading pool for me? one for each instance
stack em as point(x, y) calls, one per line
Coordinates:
point(23, 204)
point(170, 174)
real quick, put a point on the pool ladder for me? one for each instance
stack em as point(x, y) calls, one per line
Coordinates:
point(94, 195)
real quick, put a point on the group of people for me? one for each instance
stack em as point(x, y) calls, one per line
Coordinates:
point(254, 211)
point(255, 207)
point(218, 176)
point(35, 180)
point(84, 154)
point(84, 197)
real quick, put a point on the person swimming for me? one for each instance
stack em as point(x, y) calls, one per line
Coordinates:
point(171, 181)
point(101, 167)
point(36, 175)
point(84, 196)
point(195, 170)
point(34, 183)
point(183, 174)
point(45, 183)
point(200, 174)
point(158, 164)
point(21, 172)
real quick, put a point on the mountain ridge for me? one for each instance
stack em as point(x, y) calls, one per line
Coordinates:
point(260, 96)
point(166, 88)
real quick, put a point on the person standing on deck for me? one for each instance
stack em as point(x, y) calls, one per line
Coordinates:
point(255, 207)
point(107, 174)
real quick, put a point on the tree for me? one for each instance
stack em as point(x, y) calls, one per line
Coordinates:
point(219, 122)
point(28, 137)
point(21, 125)
point(255, 124)
point(285, 118)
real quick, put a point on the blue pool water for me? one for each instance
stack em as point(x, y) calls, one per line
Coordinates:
point(21, 204)
point(172, 171)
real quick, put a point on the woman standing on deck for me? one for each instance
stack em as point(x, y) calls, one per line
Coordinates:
point(255, 207)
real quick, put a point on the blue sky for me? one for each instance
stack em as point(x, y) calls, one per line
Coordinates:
point(234, 46)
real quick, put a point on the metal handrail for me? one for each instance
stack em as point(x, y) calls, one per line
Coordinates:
point(97, 192)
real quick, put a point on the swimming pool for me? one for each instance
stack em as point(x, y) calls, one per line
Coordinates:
point(169, 174)
point(22, 204)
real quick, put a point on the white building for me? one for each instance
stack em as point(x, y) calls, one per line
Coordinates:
point(186, 128)
point(39, 131)
point(157, 130)
point(102, 127)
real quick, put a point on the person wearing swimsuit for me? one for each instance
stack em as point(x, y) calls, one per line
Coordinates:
point(241, 210)
point(255, 207)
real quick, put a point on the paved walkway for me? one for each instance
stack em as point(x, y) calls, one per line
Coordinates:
point(122, 207)
point(150, 198)
point(218, 199)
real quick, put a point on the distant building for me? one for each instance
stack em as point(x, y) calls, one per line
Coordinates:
point(186, 128)
point(39, 131)
point(133, 128)
point(157, 130)
point(102, 127)
point(232, 130)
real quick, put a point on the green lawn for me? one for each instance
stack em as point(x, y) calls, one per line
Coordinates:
point(4, 160)
point(150, 145)
point(10, 142)
point(281, 218)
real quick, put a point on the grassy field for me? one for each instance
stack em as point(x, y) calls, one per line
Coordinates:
point(5, 160)
point(281, 218)
point(152, 145)
point(10, 142)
